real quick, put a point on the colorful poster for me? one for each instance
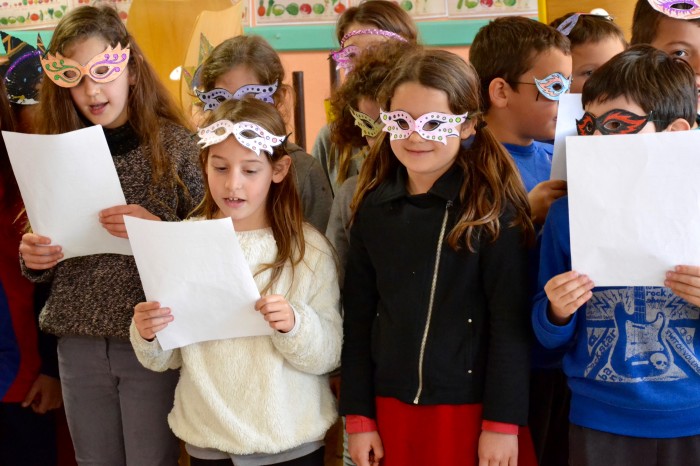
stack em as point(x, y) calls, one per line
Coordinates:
point(421, 9)
point(269, 12)
point(476, 8)
point(45, 14)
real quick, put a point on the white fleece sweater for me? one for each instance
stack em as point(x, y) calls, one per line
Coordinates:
point(261, 394)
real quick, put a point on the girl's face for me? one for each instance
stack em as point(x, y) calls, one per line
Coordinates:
point(239, 182)
point(103, 104)
point(590, 56)
point(236, 78)
point(362, 41)
point(425, 161)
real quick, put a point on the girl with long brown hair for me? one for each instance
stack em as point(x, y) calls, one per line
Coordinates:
point(256, 400)
point(95, 74)
point(436, 330)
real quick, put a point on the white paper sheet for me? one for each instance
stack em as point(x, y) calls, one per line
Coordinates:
point(634, 206)
point(65, 181)
point(570, 110)
point(198, 270)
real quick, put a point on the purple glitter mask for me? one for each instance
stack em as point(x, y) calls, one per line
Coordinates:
point(102, 68)
point(248, 134)
point(679, 9)
point(433, 126)
point(345, 56)
point(212, 99)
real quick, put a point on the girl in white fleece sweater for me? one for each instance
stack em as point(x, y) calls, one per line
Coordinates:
point(256, 400)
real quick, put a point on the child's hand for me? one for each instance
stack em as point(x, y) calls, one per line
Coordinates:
point(496, 449)
point(112, 219)
point(365, 448)
point(36, 252)
point(150, 318)
point(684, 281)
point(44, 395)
point(542, 196)
point(566, 293)
point(277, 312)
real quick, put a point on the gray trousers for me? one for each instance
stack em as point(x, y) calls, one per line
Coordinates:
point(116, 409)
point(588, 447)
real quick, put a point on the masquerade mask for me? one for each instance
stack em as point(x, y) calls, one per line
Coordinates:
point(250, 135)
point(212, 99)
point(370, 127)
point(553, 86)
point(103, 68)
point(570, 23)
point(680, 9)
point(346, 55)
point(615, 121)
point(432, 126)
point(22, 70)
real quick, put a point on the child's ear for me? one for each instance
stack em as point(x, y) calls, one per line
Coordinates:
point(498, 92)
point(679, 124)
point(468, 129)
point(281, 168)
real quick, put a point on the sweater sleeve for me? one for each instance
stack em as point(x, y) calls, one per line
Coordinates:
point(360, 299)
point(151, 355)
point(313, 346)
point(504, 269)
point(555, 258)
point(36, 276)
point(337, 229)
point(322, 153)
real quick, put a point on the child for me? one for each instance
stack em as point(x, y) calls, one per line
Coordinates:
point(594, 38)
point(435, 296)
point(257, 400)
point(370, 23)
point(675, 35)
point(248, 65)
point(116, 409)
point(524, 67)
point(620, 413)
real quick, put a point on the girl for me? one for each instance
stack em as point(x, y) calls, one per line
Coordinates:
point(257, 400)
point(96, 74)
point(595, 39)
point(435, 356)
point(248, 65)
point(359, 28)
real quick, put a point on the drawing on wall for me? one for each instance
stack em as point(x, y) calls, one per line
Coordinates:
point(473, 8)
point(45, 14)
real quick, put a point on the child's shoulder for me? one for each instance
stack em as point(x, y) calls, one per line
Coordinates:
point(316, 243)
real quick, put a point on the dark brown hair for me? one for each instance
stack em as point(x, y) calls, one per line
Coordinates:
point(368, 74)
point(650, 78)
point(645, 22)
point(283, 206)
point(149, 103)
point(507, 47)
point(591, 28)
point(491, 180)
point(381, 14)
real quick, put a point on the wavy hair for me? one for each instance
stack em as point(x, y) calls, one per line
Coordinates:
point(491, 179)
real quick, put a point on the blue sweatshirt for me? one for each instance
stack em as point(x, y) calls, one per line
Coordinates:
point(632, 363)
point(534, 162)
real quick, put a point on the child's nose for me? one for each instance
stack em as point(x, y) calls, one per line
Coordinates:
point(415, 137)
point(90, 87)
point(233, 181)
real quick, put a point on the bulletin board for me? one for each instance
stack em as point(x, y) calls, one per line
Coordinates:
point(45, 14)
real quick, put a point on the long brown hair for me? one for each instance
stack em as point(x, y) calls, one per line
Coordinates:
point(491, 180)
point(149, 103)
point(283, 206)
point(381, 14)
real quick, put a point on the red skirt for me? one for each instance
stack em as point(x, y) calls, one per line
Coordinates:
point(437, 435)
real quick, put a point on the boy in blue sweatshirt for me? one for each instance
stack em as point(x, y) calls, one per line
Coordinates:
point(632, 361)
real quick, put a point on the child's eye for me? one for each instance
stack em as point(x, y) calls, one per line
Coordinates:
point(613, 125)
point(220, 169)
point(679, 53)
point(100, 70)
point(431, 125)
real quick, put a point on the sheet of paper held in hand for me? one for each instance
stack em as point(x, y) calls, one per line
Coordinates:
point(65, 181)
point(634, 206)
point(198, 270)
point(570, 110)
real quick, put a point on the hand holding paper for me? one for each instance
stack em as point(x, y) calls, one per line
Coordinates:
point(684, 281)
point(542, 196)
point(567, 292)
point(37, 252)
point(150, 319)
point(112, 219)
point(277, 312)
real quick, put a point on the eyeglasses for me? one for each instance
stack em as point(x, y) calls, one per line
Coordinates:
point(616, 121)
point(551, 87)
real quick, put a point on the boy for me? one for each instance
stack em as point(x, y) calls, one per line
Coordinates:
point(619, 405)
point(524, 66)
point(676, 36)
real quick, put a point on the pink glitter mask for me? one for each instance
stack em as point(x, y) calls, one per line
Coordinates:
point(102, 68)
point(248, 134)
point(433, 126)
point(679, 9)
point(345, 56)
point(212, 99)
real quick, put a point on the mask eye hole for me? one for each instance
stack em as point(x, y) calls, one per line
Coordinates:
point(613, 125)
point(403, 124)
point(101, 70)
point(220, 131)
point(431, 125)
point(220, 98)
point(249, 134)
point(557, 87)
point(71, 74)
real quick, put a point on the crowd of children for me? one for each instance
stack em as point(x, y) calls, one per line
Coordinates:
point(442, 288)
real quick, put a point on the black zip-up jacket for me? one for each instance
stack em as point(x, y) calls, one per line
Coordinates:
point(473, 346)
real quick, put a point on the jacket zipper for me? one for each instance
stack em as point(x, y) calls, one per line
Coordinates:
point(433, 285)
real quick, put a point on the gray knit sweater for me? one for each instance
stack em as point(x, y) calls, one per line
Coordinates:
point(95, 295)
